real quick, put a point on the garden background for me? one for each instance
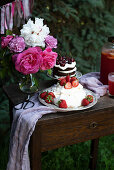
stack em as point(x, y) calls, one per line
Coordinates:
point(81, 27)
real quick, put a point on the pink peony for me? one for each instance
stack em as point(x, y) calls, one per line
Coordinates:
point(28, 61)
point(5, 40)
point(51, 42)
point(17, 44)
point(49, 59)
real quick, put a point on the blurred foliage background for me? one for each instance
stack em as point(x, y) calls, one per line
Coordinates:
point(81, 27)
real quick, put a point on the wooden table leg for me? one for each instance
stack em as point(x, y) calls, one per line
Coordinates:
point(35, 149)
point(93, 153)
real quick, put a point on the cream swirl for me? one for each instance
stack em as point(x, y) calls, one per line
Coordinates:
point(72, 65)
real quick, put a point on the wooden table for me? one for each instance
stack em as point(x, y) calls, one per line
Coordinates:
point(60, 129)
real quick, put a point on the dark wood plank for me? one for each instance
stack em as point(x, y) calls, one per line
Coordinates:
point(103, 104)
point(16, 96)
point(11, 112)
point(76, 128)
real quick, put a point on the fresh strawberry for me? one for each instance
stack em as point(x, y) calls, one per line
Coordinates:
point(61, 78)
point(68, 85)
point(68, 78)
point(48, 99)
point(52, 94)
point(43, 94)
point(89, 98)
point(62, 104)
point(63, 82)
point(73, 78)
point(85, 102)
point(75, 83)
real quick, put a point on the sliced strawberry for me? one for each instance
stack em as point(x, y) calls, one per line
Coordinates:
point(63, 82)
point(68, 85)
point(52, 94)
point(89, 98)
point(75, 83)
point(43, 95)
point(73, 78)
point(68, 78)
point(85, 102)
point(62, 104)
point(48, 99)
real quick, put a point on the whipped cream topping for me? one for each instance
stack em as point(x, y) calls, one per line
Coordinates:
point(72, 96)
point(72, 65)
point(69, 71)
point(63, 76)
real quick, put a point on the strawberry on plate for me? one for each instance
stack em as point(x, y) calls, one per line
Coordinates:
point(62, 104)
point(52, 94)
point(48, 99)
point(43, 94)
point(68, 85)
point(73, 78)
point(63, 82)
point(85, 102)
point(68, 78)
point(89, 98)
point(75, 83)
point(61, 78)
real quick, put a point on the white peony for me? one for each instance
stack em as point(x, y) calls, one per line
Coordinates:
point(35, 33)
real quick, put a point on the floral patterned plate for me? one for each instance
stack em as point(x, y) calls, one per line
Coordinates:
point(88, 92)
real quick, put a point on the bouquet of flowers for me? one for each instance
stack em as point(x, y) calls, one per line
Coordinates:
point(32, 50)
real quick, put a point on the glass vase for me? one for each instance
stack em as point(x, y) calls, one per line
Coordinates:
point(28, 84)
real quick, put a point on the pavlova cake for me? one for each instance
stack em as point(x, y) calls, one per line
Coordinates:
point(67, 93)
point(64, 66)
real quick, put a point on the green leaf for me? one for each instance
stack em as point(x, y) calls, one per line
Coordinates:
point(49, 71)
point(9, 32)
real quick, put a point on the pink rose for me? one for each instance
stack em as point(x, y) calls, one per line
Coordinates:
point(38, 49)
point(5, 40)
point(28, 61)
point(17, 44)
point(49, 59)
point(51, 41)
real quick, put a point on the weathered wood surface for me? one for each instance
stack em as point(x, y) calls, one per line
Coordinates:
point(71, 127)
point(75, 129)
point(16, 96)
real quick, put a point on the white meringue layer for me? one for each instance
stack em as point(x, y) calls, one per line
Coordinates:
point(73, 96)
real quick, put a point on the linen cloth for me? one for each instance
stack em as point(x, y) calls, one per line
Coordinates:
point(91, 81)
point(23, 125)
point(24, 122)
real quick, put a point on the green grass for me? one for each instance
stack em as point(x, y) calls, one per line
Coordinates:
point(75, 157)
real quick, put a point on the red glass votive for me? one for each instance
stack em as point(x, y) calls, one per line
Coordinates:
point(107, 65)
point(111, 83)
